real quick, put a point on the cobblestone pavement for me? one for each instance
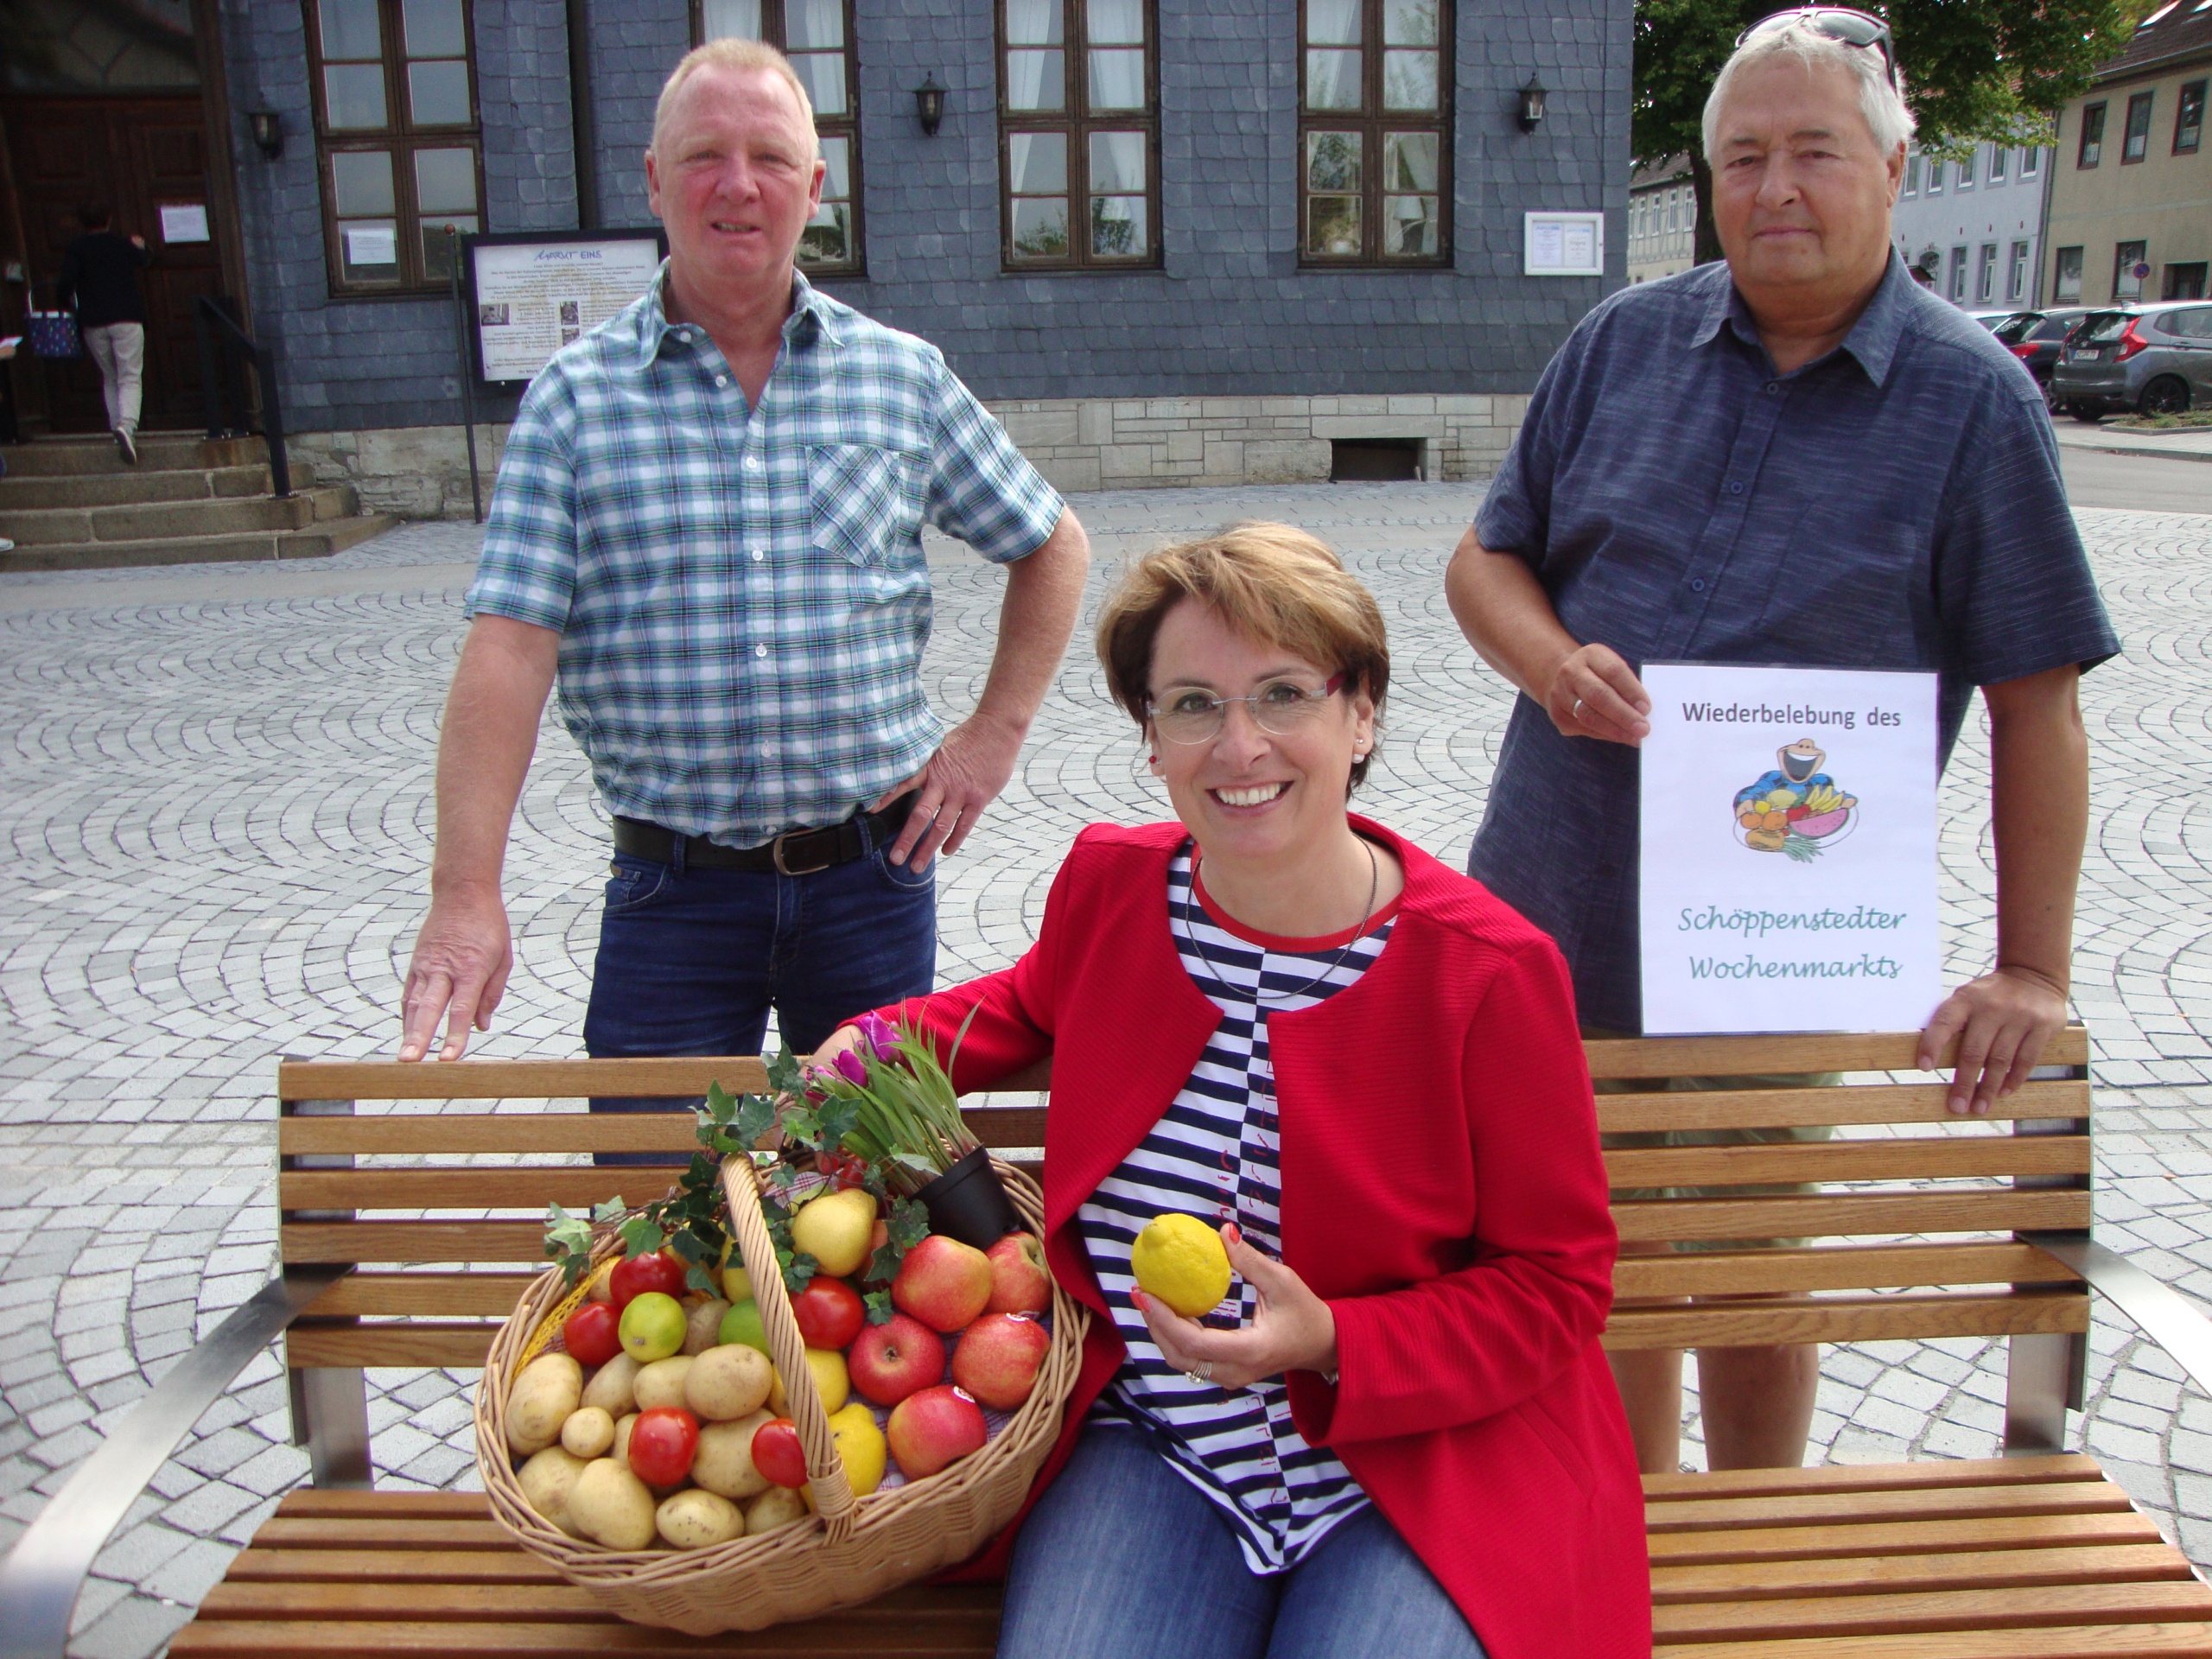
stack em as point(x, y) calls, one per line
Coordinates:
point(217, 808)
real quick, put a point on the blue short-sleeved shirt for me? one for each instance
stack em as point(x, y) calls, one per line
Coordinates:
point(1895, 505)
point(740, 593)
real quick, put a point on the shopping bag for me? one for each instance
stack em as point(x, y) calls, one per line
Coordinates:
point(53, 333)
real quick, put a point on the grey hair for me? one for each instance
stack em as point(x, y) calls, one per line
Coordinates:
point(1882, 104)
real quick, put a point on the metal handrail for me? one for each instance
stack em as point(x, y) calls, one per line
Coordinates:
point(41, 1576)
point(217, 330)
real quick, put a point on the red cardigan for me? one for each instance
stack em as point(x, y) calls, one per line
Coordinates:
point(1441, 1188)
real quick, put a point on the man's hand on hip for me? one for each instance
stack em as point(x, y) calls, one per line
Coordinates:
point(2002, 1022)
point(964, 777)
point(1593, 693)
point(459, 973)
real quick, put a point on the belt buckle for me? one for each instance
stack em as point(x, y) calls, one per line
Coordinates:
point(776, 854)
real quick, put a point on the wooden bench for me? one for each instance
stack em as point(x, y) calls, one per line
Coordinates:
point(397, 1253)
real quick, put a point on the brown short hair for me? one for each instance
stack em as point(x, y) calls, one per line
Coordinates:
point(1272, 581)
point(729, 53)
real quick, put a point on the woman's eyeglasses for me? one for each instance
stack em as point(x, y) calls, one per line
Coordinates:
point(1279, 707)
point(1852, 27)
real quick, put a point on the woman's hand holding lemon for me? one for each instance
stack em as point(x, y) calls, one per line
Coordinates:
point(1292, 1329)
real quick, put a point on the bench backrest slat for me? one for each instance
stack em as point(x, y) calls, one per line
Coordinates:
point(1737, 1056)
point(1850, 1266)
point(1924, 1102)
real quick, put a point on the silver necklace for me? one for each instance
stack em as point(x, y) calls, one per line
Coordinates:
point(1359, 928)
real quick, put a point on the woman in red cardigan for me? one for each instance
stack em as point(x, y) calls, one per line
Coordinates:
point(1396, 1435)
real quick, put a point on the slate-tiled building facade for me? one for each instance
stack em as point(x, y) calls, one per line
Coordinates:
point(1227, 360)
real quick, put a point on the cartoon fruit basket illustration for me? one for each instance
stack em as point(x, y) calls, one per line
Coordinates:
point(1797, 809)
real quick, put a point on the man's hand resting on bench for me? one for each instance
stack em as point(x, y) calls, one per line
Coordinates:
point(1291, 1331)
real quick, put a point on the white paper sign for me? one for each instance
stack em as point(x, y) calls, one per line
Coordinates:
point(533, 298)
point(372, 244)
point(1789, 850)
point(184, 221)
point(1563, 245)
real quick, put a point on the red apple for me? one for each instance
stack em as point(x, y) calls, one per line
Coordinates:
point(1020, 1283)
point(663, 1442)
point(998, 1358)
point(635, 1276)
point(829, 1311)
point(935, 1427)
point(593, 1333)
point(944, 1283)
point(777, 1452)
point(892, 1360)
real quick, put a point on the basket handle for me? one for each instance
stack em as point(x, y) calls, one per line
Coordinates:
point(826, 1470)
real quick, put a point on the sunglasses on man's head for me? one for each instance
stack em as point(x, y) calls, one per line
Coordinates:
point(1852, 27)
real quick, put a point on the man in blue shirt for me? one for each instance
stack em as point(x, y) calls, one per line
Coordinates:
point(707, 519)
point(1796, 456)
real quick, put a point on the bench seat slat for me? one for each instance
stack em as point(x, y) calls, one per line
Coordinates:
point(255, 1565)
point(1844, 1319)
point(1858, 1102)
point(489, 1295)
point(878, 1637)
point(412, 1241)
point(1877, 1477)
point(479, 1531)
point(1846, 1508)
point(518, 1079)
point(1921, 1158)
point(1736, 1057)
point(506, 1186)
point(1835, 1267)
point(418, 1133)
point(1986, 1569)
point(1835, 1214)
point(411, 1342)
point(2049, 1642)
point(330, 1597)
point(2017, 1607)
point(1931, 1537)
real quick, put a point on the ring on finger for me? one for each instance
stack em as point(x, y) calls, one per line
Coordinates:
point(1201, 1372)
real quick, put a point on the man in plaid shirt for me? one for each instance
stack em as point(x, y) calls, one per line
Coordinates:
point(708, 521)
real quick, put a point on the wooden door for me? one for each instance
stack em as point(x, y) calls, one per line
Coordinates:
point(138, 155)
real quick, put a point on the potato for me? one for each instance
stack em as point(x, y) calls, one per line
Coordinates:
point(728, 1382)
point(602, 1288)
point(588, 1433)
point(611, 1506)
point(613, 1386)
point(661, 1383)
point(724, 1462)
point(702, 1326)
point(547, 1479)
point(695, 1519)
point(621, 1450)
point(777, 1507)
point(540, 1401)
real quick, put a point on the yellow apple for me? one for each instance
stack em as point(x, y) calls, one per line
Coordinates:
point(835, 1228)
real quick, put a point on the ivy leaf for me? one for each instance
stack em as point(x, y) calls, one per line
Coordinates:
point(720, 1105)
point(878, 1303)
point(756, 1116)
point(883, 1266)
point(566, 1232)
point(613, 1209)
point(785, 1075)
point(782, 1176)
point(689, 1248)
point(642, 1235)
point(699, 1279)
point(838, 1118)
point(908, 1223)
point(798, 1266)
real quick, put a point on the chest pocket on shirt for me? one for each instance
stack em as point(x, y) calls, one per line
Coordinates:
point(865, 501)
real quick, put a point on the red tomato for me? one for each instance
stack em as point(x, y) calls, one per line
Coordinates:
point(663, 1442)
point(775, 1451)
point(830, 1313)
point(594, 1333)
point(636, 1274)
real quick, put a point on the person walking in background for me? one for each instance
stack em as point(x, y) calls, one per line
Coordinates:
point(100, 279)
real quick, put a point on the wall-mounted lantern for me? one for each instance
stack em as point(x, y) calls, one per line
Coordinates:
point(267, 133)
point(928, 104)
point(1532, 105)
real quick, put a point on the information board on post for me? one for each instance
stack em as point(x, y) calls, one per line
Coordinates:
point(1789, 850)
point(530, 293)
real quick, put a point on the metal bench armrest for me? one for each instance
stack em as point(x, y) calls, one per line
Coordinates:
point(41, 1576)
point(2161, 1312)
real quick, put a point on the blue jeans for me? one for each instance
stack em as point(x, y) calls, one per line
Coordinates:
point(1124, 1559)
point(691, 960)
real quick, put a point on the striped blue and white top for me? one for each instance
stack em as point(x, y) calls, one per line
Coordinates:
point(1213, 1155)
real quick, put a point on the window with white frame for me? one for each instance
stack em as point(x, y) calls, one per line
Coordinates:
point(2030, 160)
point(1985, 275)
point(1997, 157)
point(2017, 289)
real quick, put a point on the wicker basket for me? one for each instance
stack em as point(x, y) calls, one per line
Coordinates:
point(850, 1550)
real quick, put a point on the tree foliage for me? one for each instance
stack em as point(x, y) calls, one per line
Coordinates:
point(1976, 70)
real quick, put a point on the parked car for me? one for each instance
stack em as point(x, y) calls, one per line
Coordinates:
point(2036, 337)
point(1993, 319)
point(2155, 359)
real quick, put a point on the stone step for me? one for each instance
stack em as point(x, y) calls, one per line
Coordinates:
point(101, 490)
point(148, 521)
point(75, 457)
point(324, 539)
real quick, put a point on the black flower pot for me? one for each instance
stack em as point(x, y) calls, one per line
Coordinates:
point(967, 1203)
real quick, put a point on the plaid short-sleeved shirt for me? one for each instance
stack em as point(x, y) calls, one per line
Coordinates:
point(740, 594)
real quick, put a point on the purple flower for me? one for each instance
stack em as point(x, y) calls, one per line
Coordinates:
point(854, 1069)
point(880, 1036)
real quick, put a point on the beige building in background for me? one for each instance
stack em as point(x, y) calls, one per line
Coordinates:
point(2131, 206)
point(1661, 219)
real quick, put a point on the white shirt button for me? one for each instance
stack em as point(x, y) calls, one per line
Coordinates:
point(757, 556)
point(753, 461)
point(760, 650)
point(722, 380)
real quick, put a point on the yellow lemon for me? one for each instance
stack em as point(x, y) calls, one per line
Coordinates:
point(831, 1381)
point(861, 1445)
point(1181, 1259)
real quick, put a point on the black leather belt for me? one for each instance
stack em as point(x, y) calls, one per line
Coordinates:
point(796, 852)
